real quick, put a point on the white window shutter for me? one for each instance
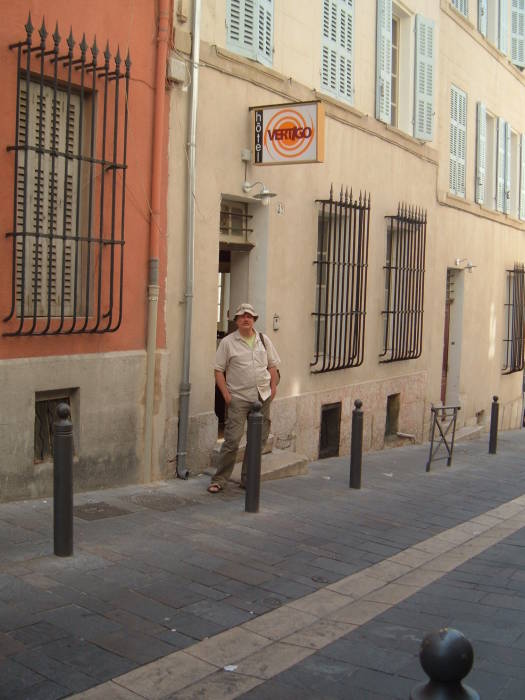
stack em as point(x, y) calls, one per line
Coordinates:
point(517, 46)
point(506, 200)
point(337, 59)
point(482, 17)
point(241, 25)
point(458, 141)
point(503, 27)
point(461, 5)
point(424, 79)
point(481, 153)
point(329, 47)
point(346, 49)
point(500, 174)
point(265, 32)
point(384, 60)
point(522, 179)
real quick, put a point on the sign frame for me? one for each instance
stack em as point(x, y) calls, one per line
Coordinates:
point(291, 133)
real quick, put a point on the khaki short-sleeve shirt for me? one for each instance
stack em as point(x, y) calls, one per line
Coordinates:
point(246, 368)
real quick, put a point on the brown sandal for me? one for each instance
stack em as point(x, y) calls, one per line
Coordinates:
point(214, 488)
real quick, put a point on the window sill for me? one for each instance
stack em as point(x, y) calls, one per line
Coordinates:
point(331, 99)
point(461, 203)
point(246, 61)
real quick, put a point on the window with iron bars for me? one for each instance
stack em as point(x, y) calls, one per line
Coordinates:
point(514, 340)
point(404, 285)
point(342, 266)
point(69, 194)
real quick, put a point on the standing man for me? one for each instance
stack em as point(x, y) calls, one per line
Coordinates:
point(245, 371)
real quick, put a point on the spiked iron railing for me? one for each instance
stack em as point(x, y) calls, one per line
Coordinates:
point(514, 341)
point(70, 187)
point(405, 284)
point(342, 267)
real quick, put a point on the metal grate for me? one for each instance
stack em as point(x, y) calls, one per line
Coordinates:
point(404, 285)
point(342, 266)
point(514, 341)
point(45, 416)
point(70, 180)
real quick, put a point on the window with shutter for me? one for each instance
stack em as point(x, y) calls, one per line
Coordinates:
point(48, 214)
point(461, 6)
point(517, 45)
point(503, 36)
point(481, 153)
point(384, 61)
point(249, 25)
point(522, 179)
point(482, 16)
point(458, 140)
point(424, 79)
point(502, 173)
point(337, 54)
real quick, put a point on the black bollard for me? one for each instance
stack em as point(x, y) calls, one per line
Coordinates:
point(63, 482)
point(494, 414)
point(356, 448)
point(446, 657)
point(253, 458)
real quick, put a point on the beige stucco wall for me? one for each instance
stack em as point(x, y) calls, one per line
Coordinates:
point(107, 398)
point(366, 155)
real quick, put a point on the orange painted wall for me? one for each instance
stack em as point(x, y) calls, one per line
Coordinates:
point(128, 24)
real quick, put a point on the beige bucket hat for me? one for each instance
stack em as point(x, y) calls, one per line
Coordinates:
point(246, 309)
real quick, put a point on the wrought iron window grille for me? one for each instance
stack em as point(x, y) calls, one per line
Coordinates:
point(70, 167)
point(404, 284)
point(514, 341)
point(342, 268)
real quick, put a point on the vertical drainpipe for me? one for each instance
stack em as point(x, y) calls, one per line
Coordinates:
point(185, 386)
point(158, 150)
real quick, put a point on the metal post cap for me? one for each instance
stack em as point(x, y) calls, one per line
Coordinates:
point(446, 656)
point(358, 403)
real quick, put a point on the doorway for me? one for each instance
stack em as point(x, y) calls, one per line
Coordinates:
point(452, 338)
point(233, 276)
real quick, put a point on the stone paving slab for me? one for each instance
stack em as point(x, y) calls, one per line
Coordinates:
point(312, 534)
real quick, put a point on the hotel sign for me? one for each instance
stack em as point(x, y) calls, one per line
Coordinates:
point(288, 133)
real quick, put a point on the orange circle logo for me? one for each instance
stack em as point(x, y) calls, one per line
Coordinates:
point(288, 135)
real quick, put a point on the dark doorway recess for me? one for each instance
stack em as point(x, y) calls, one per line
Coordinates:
point(330, 430)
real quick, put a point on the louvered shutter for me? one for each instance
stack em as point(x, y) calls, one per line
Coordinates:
point(458, 140)
point(503, 27)
point(337, 64)
point(482, 16)
point(522, 179)
point(49, 199)
point(384, 61)
point(506, 200)
point(481, 153)
point(241, 21)
point(461, 5)
point(265, 32)
point(517, 47)
point(346, 50)
point(424, 79)
point(500, 175)
point(329, 48)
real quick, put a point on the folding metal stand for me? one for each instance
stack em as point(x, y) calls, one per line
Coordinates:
point(444, 418)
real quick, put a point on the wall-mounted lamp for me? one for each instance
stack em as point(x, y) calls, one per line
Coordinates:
point(468, 264)
point(264, 195)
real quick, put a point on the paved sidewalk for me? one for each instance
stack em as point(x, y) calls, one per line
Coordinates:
point(325, 593)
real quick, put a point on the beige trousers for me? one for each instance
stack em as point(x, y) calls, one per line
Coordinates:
point(233, 431)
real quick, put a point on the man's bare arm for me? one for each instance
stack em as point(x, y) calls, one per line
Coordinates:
point(220, 380)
